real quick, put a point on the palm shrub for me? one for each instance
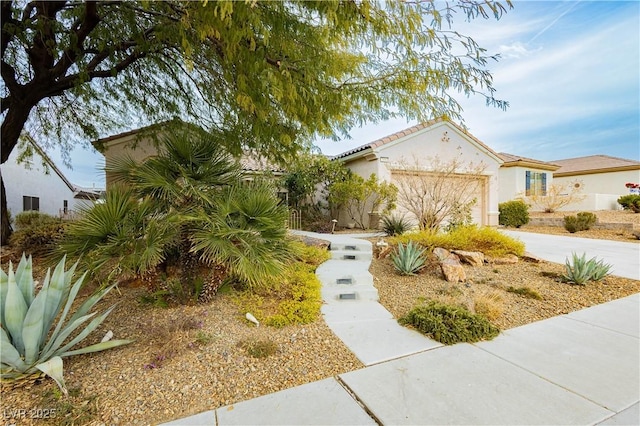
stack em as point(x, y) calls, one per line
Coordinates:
point(29, 344)
point(245, 232)
point(513, 213)
point(408, 259)
point(395, 225)
point(579, 270)
point(185, 207)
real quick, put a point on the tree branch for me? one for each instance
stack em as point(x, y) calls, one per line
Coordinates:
point(88, 24)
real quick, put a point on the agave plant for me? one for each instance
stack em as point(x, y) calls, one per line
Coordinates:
point(580, 270)
point(29, 345)
point(408, 259)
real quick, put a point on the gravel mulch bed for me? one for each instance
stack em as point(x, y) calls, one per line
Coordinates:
point(399, 294)
point(604, 216)
point(184, 360)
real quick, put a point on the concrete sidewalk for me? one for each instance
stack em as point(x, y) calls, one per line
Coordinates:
point(579, 368)
point(624, 257)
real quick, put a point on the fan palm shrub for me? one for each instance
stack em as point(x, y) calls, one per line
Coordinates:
point(185, 207)
point(31, 345)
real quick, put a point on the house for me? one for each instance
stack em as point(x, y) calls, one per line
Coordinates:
point(142, 143)
point(522, 176)
point(36, 183)
point(420, 151)
point(602, 178)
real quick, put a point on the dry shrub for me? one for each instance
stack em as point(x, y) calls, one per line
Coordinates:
point(489, 303)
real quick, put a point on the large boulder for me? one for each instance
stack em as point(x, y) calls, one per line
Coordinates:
point(452, 270)
point(473, 258)
point(442, 254)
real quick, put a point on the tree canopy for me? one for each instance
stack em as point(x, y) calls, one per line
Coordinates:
point(262, 74)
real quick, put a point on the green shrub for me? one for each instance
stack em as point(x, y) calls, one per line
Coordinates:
point(526, 292)
point(294, 299)
point(486, 240)
point(450, 324)
point(310, 255)
point(630, 202)
point(513, 213)
point(395, 225)
point(583, 221)
point(580, 270)
point(34, 218)
point(408, 259)
point(39, 238)
point(29, 345)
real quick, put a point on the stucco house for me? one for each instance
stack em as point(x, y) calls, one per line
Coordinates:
point(421, 149)
point(38, 184)
point(602, 178)
point(142, 143)
point(522, 176)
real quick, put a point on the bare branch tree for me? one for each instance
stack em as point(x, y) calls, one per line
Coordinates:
point(437, 190)
point(556, 196)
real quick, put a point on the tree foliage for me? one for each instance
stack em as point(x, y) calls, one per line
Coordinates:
point(358, 196)
point(266, 74)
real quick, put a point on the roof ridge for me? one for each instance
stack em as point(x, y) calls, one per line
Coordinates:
point(49, 161)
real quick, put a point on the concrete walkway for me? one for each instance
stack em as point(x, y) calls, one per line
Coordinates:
point(624, 257)
point(579, 368)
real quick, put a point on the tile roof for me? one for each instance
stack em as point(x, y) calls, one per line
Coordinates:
point(409, 131)
point(514, 160)
point(594, 164)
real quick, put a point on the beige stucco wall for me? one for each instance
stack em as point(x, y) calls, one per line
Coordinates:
point(445, 143)
point(138, 149)
point(604, 183)
point(513, 181)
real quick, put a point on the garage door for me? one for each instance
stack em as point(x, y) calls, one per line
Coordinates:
point(436, 193)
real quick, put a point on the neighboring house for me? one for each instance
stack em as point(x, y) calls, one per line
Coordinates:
point(602, 178)
point(37, 184)
point(142, 143)
point(522, 176)
point(438, 141)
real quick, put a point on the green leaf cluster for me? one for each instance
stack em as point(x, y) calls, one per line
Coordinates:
point(579, 270)
point(484, 239)
point(30, 342)
point(630, 202)
point(582, 221)
point(513, 213)
point(185, 206)
point(450, 324)
point(408, 259)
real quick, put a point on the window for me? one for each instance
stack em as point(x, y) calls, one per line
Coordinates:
point(65, 206)
point(536, 183)
point(30, 203)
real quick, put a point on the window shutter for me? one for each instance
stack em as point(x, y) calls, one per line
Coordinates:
point(544, 184)
point(527, 182)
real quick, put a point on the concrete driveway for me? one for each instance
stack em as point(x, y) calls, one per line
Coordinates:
point(624, 257)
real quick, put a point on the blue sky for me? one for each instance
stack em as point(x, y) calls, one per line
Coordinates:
point(570, 71)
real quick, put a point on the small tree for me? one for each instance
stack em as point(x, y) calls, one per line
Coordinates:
point(359, 196)
point(556, 197)
point(438, 190)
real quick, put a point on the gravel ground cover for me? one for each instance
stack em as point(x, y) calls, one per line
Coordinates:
point(184, 360)
point(189, 359)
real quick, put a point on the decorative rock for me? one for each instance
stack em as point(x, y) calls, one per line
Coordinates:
point(452, 270)
point(442, 254)
point(528, 257)
point(252, 319)
point(509, 259)
point(473, 258)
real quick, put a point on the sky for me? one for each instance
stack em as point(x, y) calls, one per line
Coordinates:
point(570, 71)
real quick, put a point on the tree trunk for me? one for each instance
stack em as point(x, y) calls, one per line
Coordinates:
point(12, 126)
point(5, 226)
